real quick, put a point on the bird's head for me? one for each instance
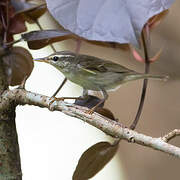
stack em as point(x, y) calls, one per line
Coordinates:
point(60, 60)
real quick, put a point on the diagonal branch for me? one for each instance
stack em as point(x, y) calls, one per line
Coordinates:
point(110, 127)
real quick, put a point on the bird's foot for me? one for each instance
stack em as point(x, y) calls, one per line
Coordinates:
point(59, 99)
point(93, 109)
point(90, 111)
point(52, 100)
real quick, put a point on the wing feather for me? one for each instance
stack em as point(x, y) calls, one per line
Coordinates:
point(95, 65)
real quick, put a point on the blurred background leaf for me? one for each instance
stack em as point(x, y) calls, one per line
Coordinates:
point(93, 160)
point(31, 10)
point(19, 65)
point(39, 39)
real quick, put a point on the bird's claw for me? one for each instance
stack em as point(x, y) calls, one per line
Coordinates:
point(90, 111)
point(53, 100)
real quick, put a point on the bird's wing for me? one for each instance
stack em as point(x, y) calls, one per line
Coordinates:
point(94, 65)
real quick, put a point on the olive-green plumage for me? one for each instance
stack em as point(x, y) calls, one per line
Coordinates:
point(93, 73)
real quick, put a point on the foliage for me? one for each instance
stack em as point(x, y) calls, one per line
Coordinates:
point(19, 64)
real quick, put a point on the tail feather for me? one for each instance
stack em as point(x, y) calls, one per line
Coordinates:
point(159, 77)
point(146, 76)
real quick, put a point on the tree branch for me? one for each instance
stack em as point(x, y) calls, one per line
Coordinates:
point(110, 127)
point(171, 135)
point(10, 165)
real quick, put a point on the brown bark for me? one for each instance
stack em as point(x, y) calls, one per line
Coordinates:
point(10, 166)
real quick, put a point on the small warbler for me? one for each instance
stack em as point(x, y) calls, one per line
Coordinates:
point(93, 73)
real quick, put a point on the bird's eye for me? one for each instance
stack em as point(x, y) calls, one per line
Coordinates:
point(55, 58)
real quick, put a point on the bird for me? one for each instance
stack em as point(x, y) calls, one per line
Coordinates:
point(93, 73)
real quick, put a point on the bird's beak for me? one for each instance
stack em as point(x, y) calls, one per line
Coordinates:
point(45, 59)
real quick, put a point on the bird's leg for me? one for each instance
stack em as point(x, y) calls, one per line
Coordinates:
point(59, 88)
point(53, 97)
point(63, 98)
point(99, 103)
point(85, 94)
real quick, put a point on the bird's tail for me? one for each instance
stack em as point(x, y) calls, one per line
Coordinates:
point(145, 76)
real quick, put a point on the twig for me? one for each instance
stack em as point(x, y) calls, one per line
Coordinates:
point(110, 127)
point(145, 83)
point(13, 42)
point(172, 134)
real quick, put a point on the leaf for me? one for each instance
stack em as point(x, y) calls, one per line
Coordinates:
point(20, 6)
point(33, 15)
point(31, 11)
point(105, 112)
point(91, 101)
point(94, 159)
point(136, 55)
point(19, 65)
point(23, 7)
point(118, 21)
point(17, 25)
point(39, 39)
point(155, 20)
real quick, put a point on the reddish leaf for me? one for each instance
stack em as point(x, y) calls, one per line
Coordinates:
point(9, 38)
point(91, 101)
point(33, 15)
point(30, 11)
point(11, 11)
point(136, 55)
point(17, 25)
point(140, 59)
point(19, 64)
point(39, 39)
point(11, 24)
point(105, 112)
point(94, 159)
